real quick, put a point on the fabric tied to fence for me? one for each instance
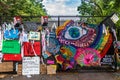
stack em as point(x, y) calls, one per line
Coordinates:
point(28, 51)
point(12, 57)
point(11, 34)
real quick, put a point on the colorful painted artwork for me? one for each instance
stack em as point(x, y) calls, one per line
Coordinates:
point(84, 44)
point(87, 57)
point(77, 36)
point(68, 53)
point(53, 46)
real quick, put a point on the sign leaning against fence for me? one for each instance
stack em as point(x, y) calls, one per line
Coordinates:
point(30, 65)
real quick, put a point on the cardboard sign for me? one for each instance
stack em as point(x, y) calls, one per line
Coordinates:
point(6, 66)
point(51, 69)
point(30, 65)
point(43, 69)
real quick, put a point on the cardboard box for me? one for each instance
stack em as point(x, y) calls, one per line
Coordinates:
point(19, 71)
point(43, 69)
point(6, 66)
point(51, 69)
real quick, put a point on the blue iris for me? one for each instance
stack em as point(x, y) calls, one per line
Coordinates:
point(74, 32)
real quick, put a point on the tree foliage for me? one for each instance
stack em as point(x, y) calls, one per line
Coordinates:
point(21, 8)
point(99, 8)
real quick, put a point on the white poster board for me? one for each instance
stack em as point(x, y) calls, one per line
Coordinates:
point(30, 65)
point(34, 35)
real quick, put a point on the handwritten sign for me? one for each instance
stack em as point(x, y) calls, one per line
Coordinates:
point(34, 35)
point(30, 65)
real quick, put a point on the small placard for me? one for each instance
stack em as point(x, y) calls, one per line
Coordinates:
point(34, 35)
point(30, 65)
point(114, 18)
point(107, 60)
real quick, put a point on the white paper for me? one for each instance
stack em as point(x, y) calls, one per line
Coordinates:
point(30, 65)
point(114, 18)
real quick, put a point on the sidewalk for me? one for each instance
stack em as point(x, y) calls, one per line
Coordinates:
point(69, 76)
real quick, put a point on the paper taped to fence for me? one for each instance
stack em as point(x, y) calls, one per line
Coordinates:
point(34, 35)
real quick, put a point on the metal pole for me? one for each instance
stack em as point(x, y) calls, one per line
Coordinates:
point(0, 20)
point(118, 31)
point(58, 20)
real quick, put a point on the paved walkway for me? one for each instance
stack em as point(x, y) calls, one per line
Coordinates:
point(70, 76)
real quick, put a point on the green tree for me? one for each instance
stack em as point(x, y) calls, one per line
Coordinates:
point(21, 8)
point(99, 8)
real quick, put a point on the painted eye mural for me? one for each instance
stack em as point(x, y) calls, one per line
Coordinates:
point(77, 36)
point(74, 33)
point(85, 44)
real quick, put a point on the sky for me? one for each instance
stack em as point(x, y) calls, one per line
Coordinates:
point(61, 7)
